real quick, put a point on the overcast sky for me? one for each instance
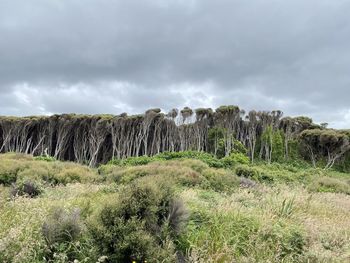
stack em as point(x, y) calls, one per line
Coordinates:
point(105, 56)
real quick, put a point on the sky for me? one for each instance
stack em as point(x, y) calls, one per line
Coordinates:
point(114, 56)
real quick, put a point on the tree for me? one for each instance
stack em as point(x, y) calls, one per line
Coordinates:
point(327, 144)
point(278, 147)
point(252, 133)
point(228, 117)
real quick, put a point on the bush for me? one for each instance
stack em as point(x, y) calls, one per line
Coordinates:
point(255, 173)
point(132, 161)
point(60, 230)
point(38, 171)
point(185, 172)
point(329, 184)
point(207, 158)
point(72, 173)
point(221, 180)
point(62, 227)
point(204, 157)
point(246, 171)
point(234, 159)
point(26, 187)
point(9, 170)
point(13, 169)
point(45, 158)
point(141, 225)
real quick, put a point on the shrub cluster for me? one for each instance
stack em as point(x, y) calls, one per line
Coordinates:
point(21, 169)
point(184, 172)
point(254, 173)
point(235, 158)
point(207, 158)
point(142, 225)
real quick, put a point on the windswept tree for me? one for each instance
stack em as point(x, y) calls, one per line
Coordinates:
point(203, 118)
point(228, 117)
point(95, 139)
point(289, 127)
point(98, 132)
point(186, 114)
point(252, 127)
point(186, 129)
point(328, 144)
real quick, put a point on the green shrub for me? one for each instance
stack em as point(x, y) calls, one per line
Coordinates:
point(246, 171)
point(141, 225)
point(71, 173)
point(8, 171)
point(329, 184)
point(256, 173)
point(234, 159)
point(132, 161)
point(221, 180)
point(13, 169)
point(37, 171)
point(207, 158)
point(202, 156)
point(45, 158)
point(184, 172)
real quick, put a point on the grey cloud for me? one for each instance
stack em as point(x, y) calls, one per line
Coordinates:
point(129, 55)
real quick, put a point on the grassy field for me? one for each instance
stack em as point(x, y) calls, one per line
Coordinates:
point(180, 210)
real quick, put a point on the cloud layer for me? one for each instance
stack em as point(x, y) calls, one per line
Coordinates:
point(113, 56)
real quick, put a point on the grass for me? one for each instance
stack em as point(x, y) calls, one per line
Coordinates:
point(298, 215)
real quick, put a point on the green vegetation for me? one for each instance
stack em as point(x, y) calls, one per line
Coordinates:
point(173, 207)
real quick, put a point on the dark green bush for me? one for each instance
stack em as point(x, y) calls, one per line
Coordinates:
point(256, 173)
point(9, 170)
point(26, 187)
point(141, 225)
point(246, 171)
point(6, 178)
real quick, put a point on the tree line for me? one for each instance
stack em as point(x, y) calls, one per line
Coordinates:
point(95, 139)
